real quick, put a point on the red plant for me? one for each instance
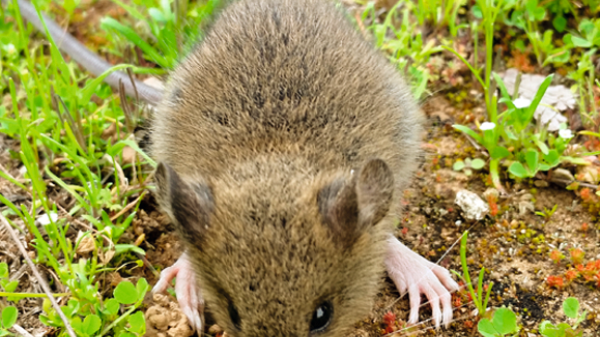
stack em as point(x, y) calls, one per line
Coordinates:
point(571, 275)
point(556, 256)
point(577, 255)
point(584, 227)
point(390, 322)
point(586, 194)
point(521, 62)
point(555, 281)
point(493, 205)
point(589, 271)
point(456, 301)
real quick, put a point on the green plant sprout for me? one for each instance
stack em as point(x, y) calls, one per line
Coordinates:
point(489, 11)
point(547, 213)
point(571, 310)
point(584, 75)
point(468, 165)
point(477, 296)
point(503, 323)
point(401, 41)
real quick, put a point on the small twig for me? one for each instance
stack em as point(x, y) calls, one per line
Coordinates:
point(37, 275)
point(474, 143)
point(137, 95)
point(21, 331)
point(361, 25)
point(122, 179)
point(517, 84)
point(128, 207)
point(148, 264)
point(568, 182)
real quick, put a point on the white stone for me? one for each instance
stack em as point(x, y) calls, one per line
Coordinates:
point(44, 219)
point(473, 206)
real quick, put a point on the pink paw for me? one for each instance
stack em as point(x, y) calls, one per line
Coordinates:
point(416, 275)
point(188, 295)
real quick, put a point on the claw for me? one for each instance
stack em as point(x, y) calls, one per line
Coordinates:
point(188, 295)
point(416, 275)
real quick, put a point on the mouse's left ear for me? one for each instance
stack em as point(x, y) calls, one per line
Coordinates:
point(189, 205)
point(348, 207)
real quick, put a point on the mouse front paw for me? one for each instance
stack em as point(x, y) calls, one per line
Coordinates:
point(187, 291)
point(416, 275)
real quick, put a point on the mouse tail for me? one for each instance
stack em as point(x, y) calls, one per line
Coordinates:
point(86, 58)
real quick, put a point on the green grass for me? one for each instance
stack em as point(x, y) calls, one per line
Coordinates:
point(59, 116)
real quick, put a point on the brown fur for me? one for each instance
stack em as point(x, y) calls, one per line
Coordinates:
point(285, 143)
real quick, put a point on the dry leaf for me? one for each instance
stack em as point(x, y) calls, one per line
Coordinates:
point(128, 155)
point(86, 244)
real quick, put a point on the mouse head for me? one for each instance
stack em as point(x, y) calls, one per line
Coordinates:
point(284, 254)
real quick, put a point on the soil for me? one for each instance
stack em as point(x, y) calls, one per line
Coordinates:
point(509, 244)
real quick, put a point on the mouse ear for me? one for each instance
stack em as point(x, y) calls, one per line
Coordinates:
point(349, 207)
point(188, 205)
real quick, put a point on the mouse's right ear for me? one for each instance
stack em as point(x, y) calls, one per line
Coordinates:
point(349, 206)
point(189, 205)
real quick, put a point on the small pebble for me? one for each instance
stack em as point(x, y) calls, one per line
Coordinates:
point(473, 206)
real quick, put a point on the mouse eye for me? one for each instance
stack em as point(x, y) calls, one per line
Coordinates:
point(321, 317)
point(234, 315)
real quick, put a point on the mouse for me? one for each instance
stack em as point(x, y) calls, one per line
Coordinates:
point(285, 141)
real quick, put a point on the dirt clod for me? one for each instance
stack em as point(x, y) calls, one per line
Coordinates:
point(164, 318)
